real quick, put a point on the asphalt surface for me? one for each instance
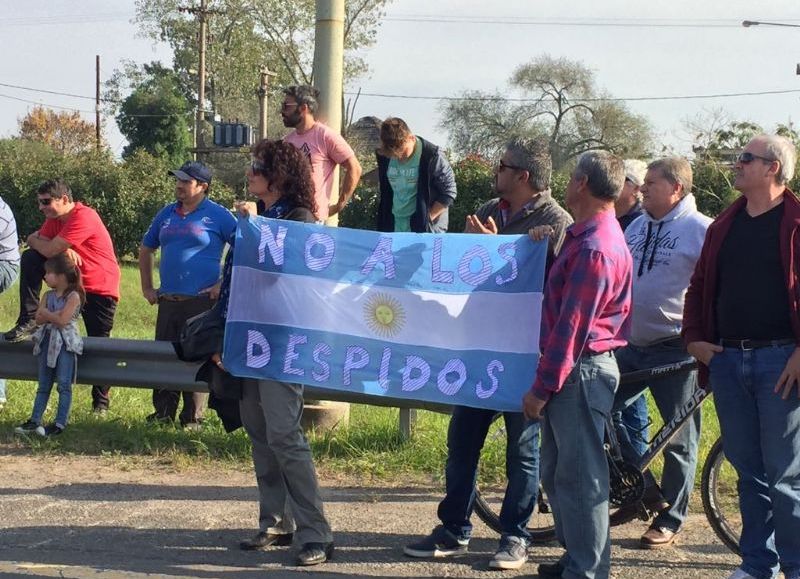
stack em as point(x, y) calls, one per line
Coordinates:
point(87, 517)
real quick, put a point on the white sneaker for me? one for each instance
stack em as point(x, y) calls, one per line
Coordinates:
point(739, 574)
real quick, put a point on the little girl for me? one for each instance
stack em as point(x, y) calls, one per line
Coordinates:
point(57, 343)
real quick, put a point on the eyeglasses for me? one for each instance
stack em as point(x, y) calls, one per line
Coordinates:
point(502, 165)
point(287, 106)
point(257, 166)
point(44, 201)
point(747, 157)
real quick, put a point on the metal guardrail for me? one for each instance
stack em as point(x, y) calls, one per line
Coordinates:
point(153, 364)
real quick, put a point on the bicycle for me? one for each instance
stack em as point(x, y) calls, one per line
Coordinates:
point(627, 480)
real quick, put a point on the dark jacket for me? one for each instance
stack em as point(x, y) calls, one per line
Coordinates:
point(436, 183)
point(699, 324)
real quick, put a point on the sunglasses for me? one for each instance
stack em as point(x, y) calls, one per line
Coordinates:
point(257, 166)
point(45, 202)
point(502, 165)
point(748, 157)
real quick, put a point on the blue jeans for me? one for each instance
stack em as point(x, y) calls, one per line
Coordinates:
point(761, 436)
point(575, 468)
point(636, 422)
point(64, 375)
point(8, 274)
point(670, 393)
point(465, 438)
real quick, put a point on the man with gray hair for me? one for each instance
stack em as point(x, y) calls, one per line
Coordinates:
point(584, 319)
point(741, 321)
point(325, 148)
point(665, 243)
point(522, 181)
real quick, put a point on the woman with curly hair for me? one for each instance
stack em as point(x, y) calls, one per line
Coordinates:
point(290, 506)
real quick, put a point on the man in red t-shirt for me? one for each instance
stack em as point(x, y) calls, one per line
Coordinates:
point(76, 229)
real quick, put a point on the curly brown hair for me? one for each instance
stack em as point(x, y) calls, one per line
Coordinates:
point(288, 171)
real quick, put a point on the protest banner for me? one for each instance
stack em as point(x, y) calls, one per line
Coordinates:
point(447, 318)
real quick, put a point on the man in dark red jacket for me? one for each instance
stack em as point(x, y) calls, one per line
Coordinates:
point(741, 323)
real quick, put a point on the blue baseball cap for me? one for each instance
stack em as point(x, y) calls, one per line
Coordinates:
point(193, 170)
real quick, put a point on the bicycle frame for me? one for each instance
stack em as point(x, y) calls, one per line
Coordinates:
point(671, 428)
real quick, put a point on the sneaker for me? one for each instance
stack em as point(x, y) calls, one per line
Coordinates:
point(192, 426)
point(99, 412)
point(512, 554)
point(2, 404)
point(49, 430)
point(658, 537)
point(550, 569)
point(27, 427)
point(440, 543)
point(21, 331)
point(740, 574)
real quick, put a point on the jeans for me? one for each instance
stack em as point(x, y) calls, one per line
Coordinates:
point(8, 274)
point(465, 437)
point(670, 393)
point(575, 468)
point(761, 437)
point(636, 422)
point(98, 311)
point(64, 375)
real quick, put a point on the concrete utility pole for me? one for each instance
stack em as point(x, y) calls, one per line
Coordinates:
point(328, 72)
point(97, 101)
point(262, 101)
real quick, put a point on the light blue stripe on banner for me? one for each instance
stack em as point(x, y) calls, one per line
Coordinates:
point(479, 379)
point(453, 263)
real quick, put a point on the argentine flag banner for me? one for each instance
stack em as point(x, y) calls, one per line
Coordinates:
point(447, 318)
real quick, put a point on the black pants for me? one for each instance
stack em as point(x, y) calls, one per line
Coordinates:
point(98, 311)
point(171, 317)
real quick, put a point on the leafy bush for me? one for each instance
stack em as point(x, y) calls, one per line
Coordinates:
point(127, 195)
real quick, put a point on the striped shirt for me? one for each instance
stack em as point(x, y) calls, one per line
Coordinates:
point(587, 300)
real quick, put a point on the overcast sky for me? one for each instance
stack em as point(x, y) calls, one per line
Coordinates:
point(636, 50)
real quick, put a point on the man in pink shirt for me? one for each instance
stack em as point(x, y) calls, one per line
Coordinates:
point(325, 148)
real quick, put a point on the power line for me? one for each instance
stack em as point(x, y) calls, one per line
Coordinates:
point(65, 19)
point(593, 22)
point(44, 104)
point(575, 100)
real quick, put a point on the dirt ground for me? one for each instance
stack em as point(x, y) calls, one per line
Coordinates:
point(103, 517)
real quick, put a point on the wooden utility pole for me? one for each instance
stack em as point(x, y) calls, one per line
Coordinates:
point(262, 101)
point(97, 101)
point(202, 13)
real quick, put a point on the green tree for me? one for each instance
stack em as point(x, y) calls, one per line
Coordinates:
point(550, 97)
point(248, 34)
point(155, 116)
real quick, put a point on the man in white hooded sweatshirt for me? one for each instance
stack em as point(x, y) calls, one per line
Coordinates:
point(665, 243)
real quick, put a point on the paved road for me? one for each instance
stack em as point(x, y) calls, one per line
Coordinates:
point(93, 517)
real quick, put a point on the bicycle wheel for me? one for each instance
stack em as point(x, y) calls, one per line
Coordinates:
point(541, 526)
point(721, 497)
point(489, 497)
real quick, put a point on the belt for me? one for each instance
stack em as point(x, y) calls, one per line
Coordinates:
point(753, 344)
point(176, 297)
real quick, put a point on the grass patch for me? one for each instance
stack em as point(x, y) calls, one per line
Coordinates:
point(370, 446)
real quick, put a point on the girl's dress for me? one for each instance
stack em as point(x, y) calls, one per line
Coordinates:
point(57, 349)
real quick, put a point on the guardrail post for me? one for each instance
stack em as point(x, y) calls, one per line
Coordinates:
point(408, 420)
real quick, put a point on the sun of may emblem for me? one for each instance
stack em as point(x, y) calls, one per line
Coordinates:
point(384, 315)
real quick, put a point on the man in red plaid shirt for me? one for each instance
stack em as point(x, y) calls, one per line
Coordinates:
point(587, 300)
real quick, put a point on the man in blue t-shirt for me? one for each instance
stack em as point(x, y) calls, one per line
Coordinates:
point(191, 233)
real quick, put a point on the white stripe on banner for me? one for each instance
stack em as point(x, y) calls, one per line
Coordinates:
point(474, 321)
